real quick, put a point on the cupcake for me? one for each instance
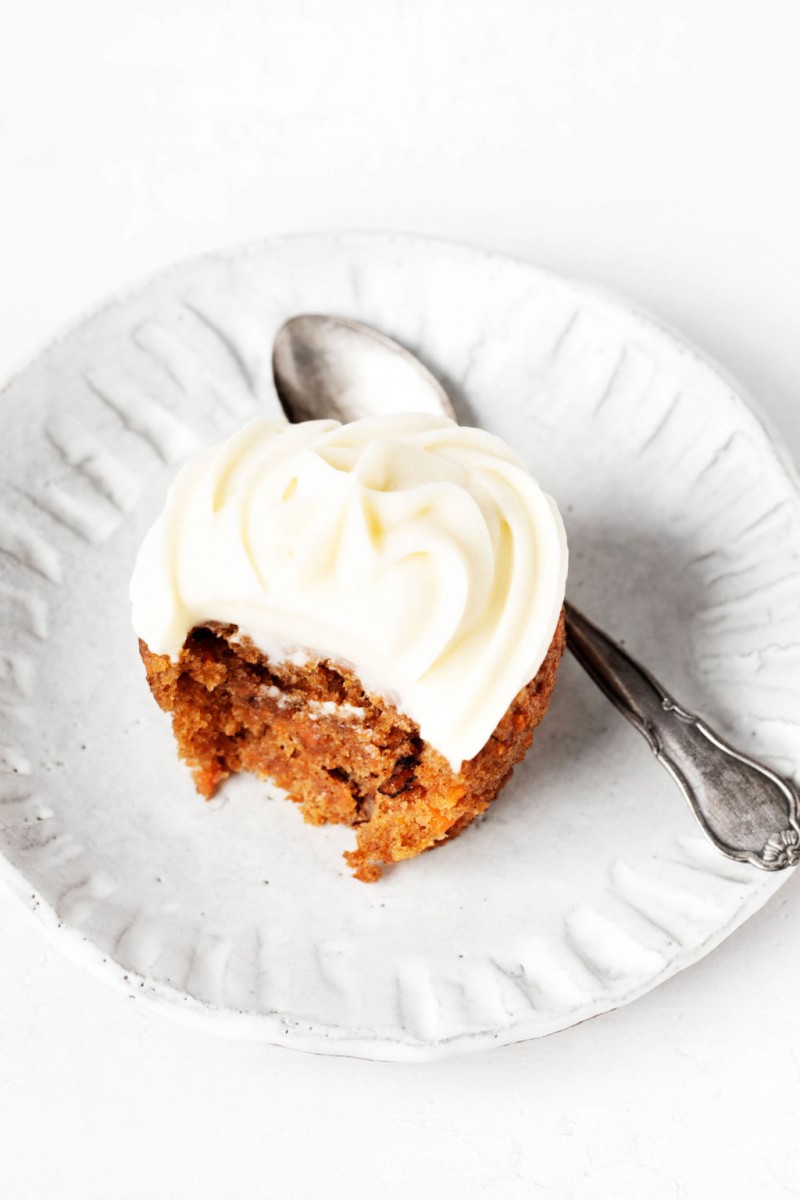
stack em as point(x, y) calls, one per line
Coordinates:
point(369, 615)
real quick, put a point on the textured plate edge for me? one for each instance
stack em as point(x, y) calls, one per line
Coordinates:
point(600, 293)
point(300, 1035)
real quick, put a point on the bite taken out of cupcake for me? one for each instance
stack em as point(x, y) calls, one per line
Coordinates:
point(369, 615)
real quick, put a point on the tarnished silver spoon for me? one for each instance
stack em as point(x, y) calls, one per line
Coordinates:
point(331, 367)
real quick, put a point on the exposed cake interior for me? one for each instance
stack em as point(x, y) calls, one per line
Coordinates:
point(343, 755)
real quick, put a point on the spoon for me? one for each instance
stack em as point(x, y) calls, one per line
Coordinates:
point(331, 367)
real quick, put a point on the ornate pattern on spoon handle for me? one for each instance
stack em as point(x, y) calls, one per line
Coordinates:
point(748, 811)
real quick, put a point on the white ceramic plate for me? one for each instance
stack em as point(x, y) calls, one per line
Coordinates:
point(587, 882)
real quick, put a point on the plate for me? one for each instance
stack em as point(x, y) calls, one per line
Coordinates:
point(587, 883)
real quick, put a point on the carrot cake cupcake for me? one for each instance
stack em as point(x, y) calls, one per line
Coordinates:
point(369, 615)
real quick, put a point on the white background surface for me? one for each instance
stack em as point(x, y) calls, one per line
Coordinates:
point(652, 149)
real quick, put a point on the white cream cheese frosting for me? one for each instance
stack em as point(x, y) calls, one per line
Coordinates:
point(418, 552)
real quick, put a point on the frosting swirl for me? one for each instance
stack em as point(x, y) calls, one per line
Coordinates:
point(417, 551)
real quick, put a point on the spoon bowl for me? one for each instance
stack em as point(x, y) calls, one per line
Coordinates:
point(332, 367)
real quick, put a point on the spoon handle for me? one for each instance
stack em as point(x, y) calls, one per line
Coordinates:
point(748, 811)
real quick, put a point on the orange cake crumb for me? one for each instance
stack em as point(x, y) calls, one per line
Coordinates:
point(344, 755)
